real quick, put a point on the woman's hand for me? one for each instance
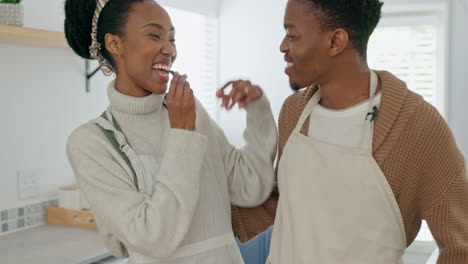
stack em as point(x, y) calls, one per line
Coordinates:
point(243, 93)
point(181, 103)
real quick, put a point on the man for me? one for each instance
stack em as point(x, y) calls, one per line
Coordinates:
point(362, 159)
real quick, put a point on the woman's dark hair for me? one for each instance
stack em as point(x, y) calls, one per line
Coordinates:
point(78, 20)
point(358, 17)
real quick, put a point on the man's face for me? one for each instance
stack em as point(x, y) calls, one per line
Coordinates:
point(305, 45)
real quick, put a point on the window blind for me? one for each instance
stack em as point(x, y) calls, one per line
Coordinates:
point(409, 52)
point(197, 47)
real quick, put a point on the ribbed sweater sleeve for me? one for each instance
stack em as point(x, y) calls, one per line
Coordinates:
point(249, 222)
point(444, 199)
point(250, 169)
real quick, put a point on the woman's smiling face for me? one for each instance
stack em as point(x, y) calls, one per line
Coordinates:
point(145, 51)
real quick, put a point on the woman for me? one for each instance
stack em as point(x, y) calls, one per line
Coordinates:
point(158, 172)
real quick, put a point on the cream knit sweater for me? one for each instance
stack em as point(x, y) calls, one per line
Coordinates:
point(195, 178)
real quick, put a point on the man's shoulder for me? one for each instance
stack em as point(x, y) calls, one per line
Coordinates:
point(422, 113)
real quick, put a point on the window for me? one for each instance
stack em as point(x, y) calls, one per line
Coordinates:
point(197, 47)
point(411, 46)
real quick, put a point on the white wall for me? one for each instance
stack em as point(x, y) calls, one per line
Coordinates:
point(47, 100)
point(249, 43)
point(43, 98)
point(205, 7)
point(48, 14)
point(41, 104)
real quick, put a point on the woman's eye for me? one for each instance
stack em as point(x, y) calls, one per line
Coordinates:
point(172, 40)
point(290, 36)
point(155, 36)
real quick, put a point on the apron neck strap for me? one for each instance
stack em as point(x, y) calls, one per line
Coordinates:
point(308, 109)
point(111, 129)
point(374, 81)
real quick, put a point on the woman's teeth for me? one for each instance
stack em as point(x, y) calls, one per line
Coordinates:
point(290, 64)
point(162, 67)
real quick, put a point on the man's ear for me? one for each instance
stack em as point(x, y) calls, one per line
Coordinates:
point(339, 40)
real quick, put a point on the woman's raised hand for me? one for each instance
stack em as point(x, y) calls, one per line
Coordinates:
point(243, 93)
point(181, 103)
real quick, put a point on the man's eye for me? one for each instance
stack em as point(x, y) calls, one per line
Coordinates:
point(155, 36)
point(290, 36)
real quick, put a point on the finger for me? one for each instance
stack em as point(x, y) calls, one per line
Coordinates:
point(173, 86)
point(192, 104)
point(248, 87)
point(227, 99)
point(187, 94)
point(233, 98)
point(227, 84)
point(236, 92)
point(192, 99)
point(220, 92)
point(241, 94)
point(180, 86)
point(246, 99)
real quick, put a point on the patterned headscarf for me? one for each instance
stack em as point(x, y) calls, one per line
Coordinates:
point(95, 48)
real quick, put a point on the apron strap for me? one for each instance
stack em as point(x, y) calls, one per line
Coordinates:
point(308, 109)
point(367, 138)
point(111, 129)
point(374, 82)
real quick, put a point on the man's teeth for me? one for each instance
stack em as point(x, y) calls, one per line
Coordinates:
point(290, 64)
point(161, 67)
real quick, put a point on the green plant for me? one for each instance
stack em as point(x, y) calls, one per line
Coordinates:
point(11, 1)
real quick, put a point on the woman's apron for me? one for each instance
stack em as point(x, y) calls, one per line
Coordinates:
point(336, 206)
point(142, 168)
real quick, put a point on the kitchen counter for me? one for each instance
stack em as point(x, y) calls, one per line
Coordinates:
point(52, 244)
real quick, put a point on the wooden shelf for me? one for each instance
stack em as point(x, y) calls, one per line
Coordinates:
point(32, 37)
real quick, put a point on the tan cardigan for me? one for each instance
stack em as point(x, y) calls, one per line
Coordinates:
point(417, 153)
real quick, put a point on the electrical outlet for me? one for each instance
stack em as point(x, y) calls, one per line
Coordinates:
point(28, 184)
